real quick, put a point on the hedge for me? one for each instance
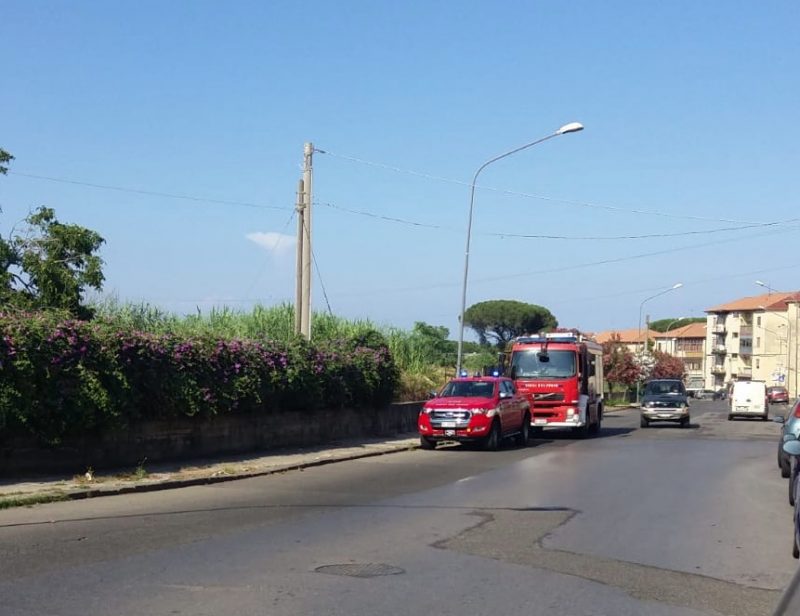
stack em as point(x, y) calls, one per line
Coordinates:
point(62, 377)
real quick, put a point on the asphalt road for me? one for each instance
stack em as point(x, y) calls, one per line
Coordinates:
point(660, 521)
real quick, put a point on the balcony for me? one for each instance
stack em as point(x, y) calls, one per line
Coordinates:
point(719, 349)
point(746, 331)
point(745, 371)
point(718, 369)
point(719, 328)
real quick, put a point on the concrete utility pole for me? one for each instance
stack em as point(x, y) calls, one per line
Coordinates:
point(305, 320)
point(298, 300)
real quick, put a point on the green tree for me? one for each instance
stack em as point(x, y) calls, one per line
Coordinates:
point(499, 321)
point(50, 265)
point(662, 324)
point(5, 158)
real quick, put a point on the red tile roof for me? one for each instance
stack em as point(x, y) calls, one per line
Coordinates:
point(775, 301)
point(627, 336)
point(693, 330)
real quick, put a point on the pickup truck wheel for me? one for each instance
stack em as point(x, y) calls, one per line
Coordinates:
point(644, 423)
point(426, 443)
point(524, 432)
point(492, 441)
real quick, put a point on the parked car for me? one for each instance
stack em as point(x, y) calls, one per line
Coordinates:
point(665, 400)
point(790, 430)
point(777, 395)
point(481, 410)
point(749, 399)
point(792, 449)
point(705, 394)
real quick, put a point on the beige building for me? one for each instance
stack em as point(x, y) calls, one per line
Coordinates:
point(753, 338)
point(689, 344)
point(631, 338)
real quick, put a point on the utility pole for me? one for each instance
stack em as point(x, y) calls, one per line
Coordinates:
point(305, 315)
point(298, 300)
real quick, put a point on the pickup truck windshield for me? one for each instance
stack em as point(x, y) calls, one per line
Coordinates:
point(533, 365)
point(468, 389)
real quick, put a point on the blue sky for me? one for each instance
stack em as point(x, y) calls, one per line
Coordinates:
point(691, 114)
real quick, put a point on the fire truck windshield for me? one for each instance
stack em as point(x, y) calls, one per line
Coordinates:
point(533, 365)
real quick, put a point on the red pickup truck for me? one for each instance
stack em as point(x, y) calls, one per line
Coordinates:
point(482, 410)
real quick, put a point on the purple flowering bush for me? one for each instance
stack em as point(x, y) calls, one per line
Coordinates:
point(62, 377)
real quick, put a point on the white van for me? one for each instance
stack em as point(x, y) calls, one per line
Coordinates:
point(749, 399)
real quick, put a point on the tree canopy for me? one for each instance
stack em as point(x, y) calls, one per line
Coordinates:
point(667, 366)
point(5, 158)
point(662, 324)
point(499, 321)
point(49, 264)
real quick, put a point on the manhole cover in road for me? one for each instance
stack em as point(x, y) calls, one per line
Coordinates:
point(360, 570)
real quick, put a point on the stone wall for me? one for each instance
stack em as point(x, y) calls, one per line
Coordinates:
point(197, 438)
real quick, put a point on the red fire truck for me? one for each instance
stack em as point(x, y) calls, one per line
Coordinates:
point(562, 376)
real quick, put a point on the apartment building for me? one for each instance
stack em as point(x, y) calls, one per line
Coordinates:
point(689, 344)
point(753, 338)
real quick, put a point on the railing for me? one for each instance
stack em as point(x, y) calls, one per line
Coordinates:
point(718, 369)
point(719, 348)
point(746, 331)
point(746, 372)
point(719, 328)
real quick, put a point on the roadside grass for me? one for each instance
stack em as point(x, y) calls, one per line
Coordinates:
point(7, 502)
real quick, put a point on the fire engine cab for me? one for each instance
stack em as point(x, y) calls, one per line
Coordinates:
point(561, 374)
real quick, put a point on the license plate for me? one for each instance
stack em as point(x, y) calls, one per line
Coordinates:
point(449, 432)
point(539, 422)
point(741, 408)
point(664, 415)
point(448, 424)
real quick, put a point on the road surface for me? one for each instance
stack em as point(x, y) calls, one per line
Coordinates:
point(657, 521)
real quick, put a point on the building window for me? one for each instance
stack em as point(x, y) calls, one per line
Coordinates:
point(758, 363)
point(758, 342)
point(735, 334)
point(734, 355)
point(758, 321)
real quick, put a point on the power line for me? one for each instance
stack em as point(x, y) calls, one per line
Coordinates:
point(504, 235)
point(565, 268)
point(271, 252)
point(584, 204)
point(151, 193)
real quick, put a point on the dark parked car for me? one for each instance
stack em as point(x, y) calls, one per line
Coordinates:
point(665, 400)
point(792, 449)
point(790, 431)
point(777, 395)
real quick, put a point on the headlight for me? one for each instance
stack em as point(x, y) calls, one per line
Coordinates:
point(487, 412)
point(649, 405)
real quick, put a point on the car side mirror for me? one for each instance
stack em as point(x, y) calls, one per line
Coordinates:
point(792, 447)
point(432, 394)
point(778, 419)
point(504, 395)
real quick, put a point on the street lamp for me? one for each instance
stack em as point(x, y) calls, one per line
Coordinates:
point(769, 289)
point(677, 285)
point(572, 127)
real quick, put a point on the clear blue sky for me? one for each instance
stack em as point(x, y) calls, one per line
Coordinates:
point(691, 110)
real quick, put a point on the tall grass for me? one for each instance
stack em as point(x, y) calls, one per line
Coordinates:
point(424, 367)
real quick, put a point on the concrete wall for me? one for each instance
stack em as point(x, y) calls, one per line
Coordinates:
point(187, 438)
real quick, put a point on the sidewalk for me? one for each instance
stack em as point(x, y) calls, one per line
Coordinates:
point(162, 476)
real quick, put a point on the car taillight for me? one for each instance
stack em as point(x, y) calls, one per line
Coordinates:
point(797, 410)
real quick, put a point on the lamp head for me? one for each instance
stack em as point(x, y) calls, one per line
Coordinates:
point(572, 127)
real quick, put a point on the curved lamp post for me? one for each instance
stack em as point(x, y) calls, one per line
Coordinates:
point(677, 285)
point(572, 127)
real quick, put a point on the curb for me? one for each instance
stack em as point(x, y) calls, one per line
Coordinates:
point(198, 481)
